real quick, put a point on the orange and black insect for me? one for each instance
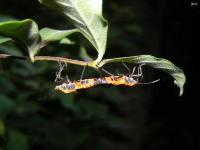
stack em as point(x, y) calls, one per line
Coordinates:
point(74, 86)
point(119, 80)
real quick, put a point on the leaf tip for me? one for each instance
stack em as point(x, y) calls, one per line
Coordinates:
point(180, 88)
point(181, 85)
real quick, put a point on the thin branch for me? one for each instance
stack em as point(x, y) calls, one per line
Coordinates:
point(46, 58)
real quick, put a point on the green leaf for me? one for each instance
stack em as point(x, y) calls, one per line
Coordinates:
point(51, 35)
point(6, 105)
point(67, 41)
point(84, 55)
point(158, 63)
point(86, 15)
point(9, 47)
point(17, 141)
point(25, 33)
point(4, 39)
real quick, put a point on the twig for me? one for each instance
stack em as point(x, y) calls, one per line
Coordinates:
point(45, 58)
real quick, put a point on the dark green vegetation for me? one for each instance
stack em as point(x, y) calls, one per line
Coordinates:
point(99, 118)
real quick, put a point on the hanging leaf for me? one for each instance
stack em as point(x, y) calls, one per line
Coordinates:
point(86, 15)
point(67, 41)
point(51, 35)
point(157, 63)
point(84, 55)
point(4, 39)
point(25, 33)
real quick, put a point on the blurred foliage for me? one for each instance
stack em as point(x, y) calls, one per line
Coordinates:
point(96, 119)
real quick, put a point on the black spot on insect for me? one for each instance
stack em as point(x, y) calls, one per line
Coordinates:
point(84, 82)
point(99, 81)
point(113, 78)
point(70, 86)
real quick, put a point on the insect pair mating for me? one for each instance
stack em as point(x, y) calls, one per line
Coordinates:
point(68, 86)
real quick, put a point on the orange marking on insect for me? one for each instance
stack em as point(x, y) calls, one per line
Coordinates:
point(121, 80)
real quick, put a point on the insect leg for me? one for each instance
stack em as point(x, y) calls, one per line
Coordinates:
point(140, 74)
point(127, 68)
point(82, 74)
point(59, 72)
point(133, 71)
point(134, 75)
point(66, 76)
point(117, 70)
point(106, 71)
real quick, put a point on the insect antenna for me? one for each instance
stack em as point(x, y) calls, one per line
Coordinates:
point(151, 82)
point(47, 96)
point(51, 93)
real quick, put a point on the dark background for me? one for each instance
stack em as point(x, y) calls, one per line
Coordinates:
point(149, 117)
